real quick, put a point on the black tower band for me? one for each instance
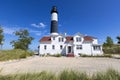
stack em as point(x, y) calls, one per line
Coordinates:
point(54, 21)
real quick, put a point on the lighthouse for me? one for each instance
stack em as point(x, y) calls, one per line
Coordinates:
point(54, 21)
point(75, 45)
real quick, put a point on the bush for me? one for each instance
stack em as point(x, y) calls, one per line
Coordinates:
point(57, 55)
point(104, 55)
point(23, 55)
point(52, 55)
point(14, 54)
point(112, 50)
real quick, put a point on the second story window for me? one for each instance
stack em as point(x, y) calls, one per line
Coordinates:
point(61, 39)
point(53, 38)
point(78, 39)
point(45, 47)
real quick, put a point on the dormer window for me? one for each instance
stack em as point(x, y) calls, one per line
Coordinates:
point(78, 39)
point(53, 38)
point(61, 39)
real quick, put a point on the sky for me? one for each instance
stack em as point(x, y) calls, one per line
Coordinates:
point(97, 18)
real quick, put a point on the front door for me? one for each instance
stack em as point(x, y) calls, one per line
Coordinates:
point(69, 49)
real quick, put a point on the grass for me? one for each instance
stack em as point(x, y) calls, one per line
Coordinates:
point(110, 74)
point(52, 55)
point(14, 54)
point(104, 55)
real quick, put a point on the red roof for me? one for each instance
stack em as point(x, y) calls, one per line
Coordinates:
point(88, 38)
point(46, 38)
point(69, 38)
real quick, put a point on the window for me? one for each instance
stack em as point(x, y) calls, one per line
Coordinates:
point(78, 46)
point(45, 47)
point(61, 47)
point(78, 39)
point(53, 47)
point(61, 39)
point(53, 38)
point(96, 48)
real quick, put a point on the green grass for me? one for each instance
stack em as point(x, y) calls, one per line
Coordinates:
point(110, 74)
point(103, 56)
point(14, 54)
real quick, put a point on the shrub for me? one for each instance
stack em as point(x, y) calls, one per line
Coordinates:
point(112, 50)
point(57, 55)
point(14, 54)
point(105, 55)
point(23, 55)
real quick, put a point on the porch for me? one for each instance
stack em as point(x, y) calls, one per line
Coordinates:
point(70, 51)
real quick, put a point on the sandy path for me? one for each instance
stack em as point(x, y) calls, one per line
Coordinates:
point(38, 64)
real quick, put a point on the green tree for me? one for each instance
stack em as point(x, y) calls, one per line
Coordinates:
point(1, 36)
point(109, 42)
point(24, 40)
point(118, 38)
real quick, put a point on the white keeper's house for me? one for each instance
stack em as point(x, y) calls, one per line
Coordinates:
point(77, 44)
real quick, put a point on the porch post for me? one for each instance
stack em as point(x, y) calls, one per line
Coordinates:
point(66, 50)
point(71, 49)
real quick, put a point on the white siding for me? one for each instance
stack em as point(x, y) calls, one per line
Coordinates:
point(95, 41)
point(87, 47)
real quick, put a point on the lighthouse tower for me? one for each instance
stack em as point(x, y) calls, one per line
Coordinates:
point(54, 21)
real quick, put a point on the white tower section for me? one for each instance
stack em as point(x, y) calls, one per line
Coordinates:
point(54, 17)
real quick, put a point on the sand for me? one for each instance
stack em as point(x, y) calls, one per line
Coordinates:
point(55, 65)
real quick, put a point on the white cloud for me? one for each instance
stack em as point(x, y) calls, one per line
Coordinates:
point(33, 31)
point(9, 30)
point(38, 33)
point(40, 25)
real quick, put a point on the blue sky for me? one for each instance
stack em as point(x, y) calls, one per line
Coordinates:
point(98, 18)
